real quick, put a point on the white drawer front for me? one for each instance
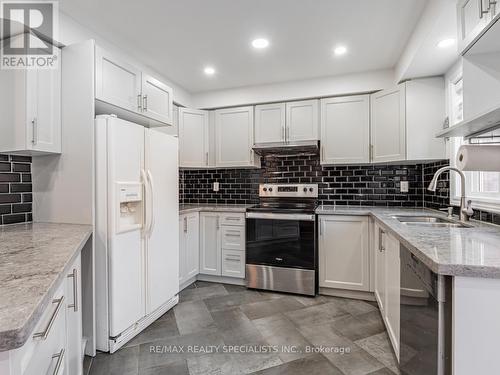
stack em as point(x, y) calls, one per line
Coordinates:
point(233, 263)
point(233, 238)
point(232, 219)
point(44, 354)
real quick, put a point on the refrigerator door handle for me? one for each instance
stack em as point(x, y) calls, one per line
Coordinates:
point(151, 200)
point(145, 215)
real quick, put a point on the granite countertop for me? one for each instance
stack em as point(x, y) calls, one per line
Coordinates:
point(34, 260)
point(472, 252)
point(186, 208)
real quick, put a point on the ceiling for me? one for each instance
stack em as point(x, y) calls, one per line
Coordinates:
point(179, 38)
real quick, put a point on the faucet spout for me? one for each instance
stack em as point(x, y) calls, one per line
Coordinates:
point(465, 210)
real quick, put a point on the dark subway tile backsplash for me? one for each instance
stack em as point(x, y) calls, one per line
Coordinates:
point(15, 189)
point(372, 185)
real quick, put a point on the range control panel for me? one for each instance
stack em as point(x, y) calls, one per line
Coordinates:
point(289, 190)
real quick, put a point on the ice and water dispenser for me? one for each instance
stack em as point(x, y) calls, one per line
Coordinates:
point(130, 212)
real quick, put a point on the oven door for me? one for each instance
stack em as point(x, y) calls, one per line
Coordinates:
point(281, 240)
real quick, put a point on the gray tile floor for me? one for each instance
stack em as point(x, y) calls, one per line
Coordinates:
point(225, 329)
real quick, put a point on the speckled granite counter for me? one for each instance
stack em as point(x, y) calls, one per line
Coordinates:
point(473, 252)
point(34, 260)
point(186, 208)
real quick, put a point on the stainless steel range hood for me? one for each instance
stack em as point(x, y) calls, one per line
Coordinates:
point(291, 148)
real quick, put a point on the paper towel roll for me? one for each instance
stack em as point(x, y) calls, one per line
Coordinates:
point(485, 158)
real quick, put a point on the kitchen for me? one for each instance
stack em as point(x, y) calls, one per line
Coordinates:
point(316, 190)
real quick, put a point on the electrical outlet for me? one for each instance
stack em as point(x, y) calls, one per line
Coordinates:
point(404, 187)
point(216, 186)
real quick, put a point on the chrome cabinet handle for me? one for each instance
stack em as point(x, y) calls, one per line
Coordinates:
point(233, 218)
point(218, 224)
point(34, 136)
point(381, 233)
point(482, 12)
point(232, 235)
point(371, 152)
point(60, 357)
point(321, 227)
point(206, 158)
point(185, 225)
point(284, 133)
point(43, 335)
point(74, 276)
point(145, 103)
point(233, 260)
point(139, 102)
point(323, 153)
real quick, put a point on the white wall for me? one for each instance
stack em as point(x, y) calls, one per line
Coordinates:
point(311, 88)
point(71, 31)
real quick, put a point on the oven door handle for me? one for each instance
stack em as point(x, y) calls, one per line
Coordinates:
point(275, 216)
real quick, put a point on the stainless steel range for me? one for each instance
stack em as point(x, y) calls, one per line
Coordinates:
point(281, 251)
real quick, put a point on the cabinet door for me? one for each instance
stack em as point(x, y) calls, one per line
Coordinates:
point(156, 99)
point(379, 257)
point(388, 125)
point(192, 245)
point(193, 138)
point(270, 123)
point(302, 120)
point(44, 109)
point(471, 20)
point(74, 353)
point(345, 130)
point(182, 249)
point(210, 249)
point(393, 271)
point(344, 253)
point(117, 82)
point(234, 137)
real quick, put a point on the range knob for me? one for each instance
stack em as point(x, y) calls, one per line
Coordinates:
point(305, 190)
point(265, 189)
point(270, 189)
point(311, 190)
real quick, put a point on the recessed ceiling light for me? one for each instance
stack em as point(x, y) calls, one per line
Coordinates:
point(446, 43)
point(209, 71)
point(340, 50)
point(260, 43)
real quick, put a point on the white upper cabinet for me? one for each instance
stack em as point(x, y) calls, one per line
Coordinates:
point(234, 137)
point(473, 17)
point(345, 130)
point(31, 110)
point(344, 259)
point(302, 120)
point(117, 82)
point(193, 138)
point(405, 120)
point(388, 128)
point(425, 114)
point(156, 99)
point(270, 123)
point(125, 86)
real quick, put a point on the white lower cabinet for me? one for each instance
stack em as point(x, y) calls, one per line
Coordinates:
point(55, 345)
point(344, 257)
point(387, 282)
point(189, 248)
point(222, 244)
point(74, 352)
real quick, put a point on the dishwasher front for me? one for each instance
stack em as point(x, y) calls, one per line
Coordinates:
point(426, 328)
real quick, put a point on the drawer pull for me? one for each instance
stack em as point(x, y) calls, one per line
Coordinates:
point(232, 235)
point(233, 260)
point(43, 335)
point(60, 357)
point(74, 276)
point(233, 218)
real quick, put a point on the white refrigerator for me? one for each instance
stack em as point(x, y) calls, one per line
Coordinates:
point(137, 221)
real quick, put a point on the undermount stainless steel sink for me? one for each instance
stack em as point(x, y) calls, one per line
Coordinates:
point(430, 221)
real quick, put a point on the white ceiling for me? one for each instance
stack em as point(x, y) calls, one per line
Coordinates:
point(178, 38)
